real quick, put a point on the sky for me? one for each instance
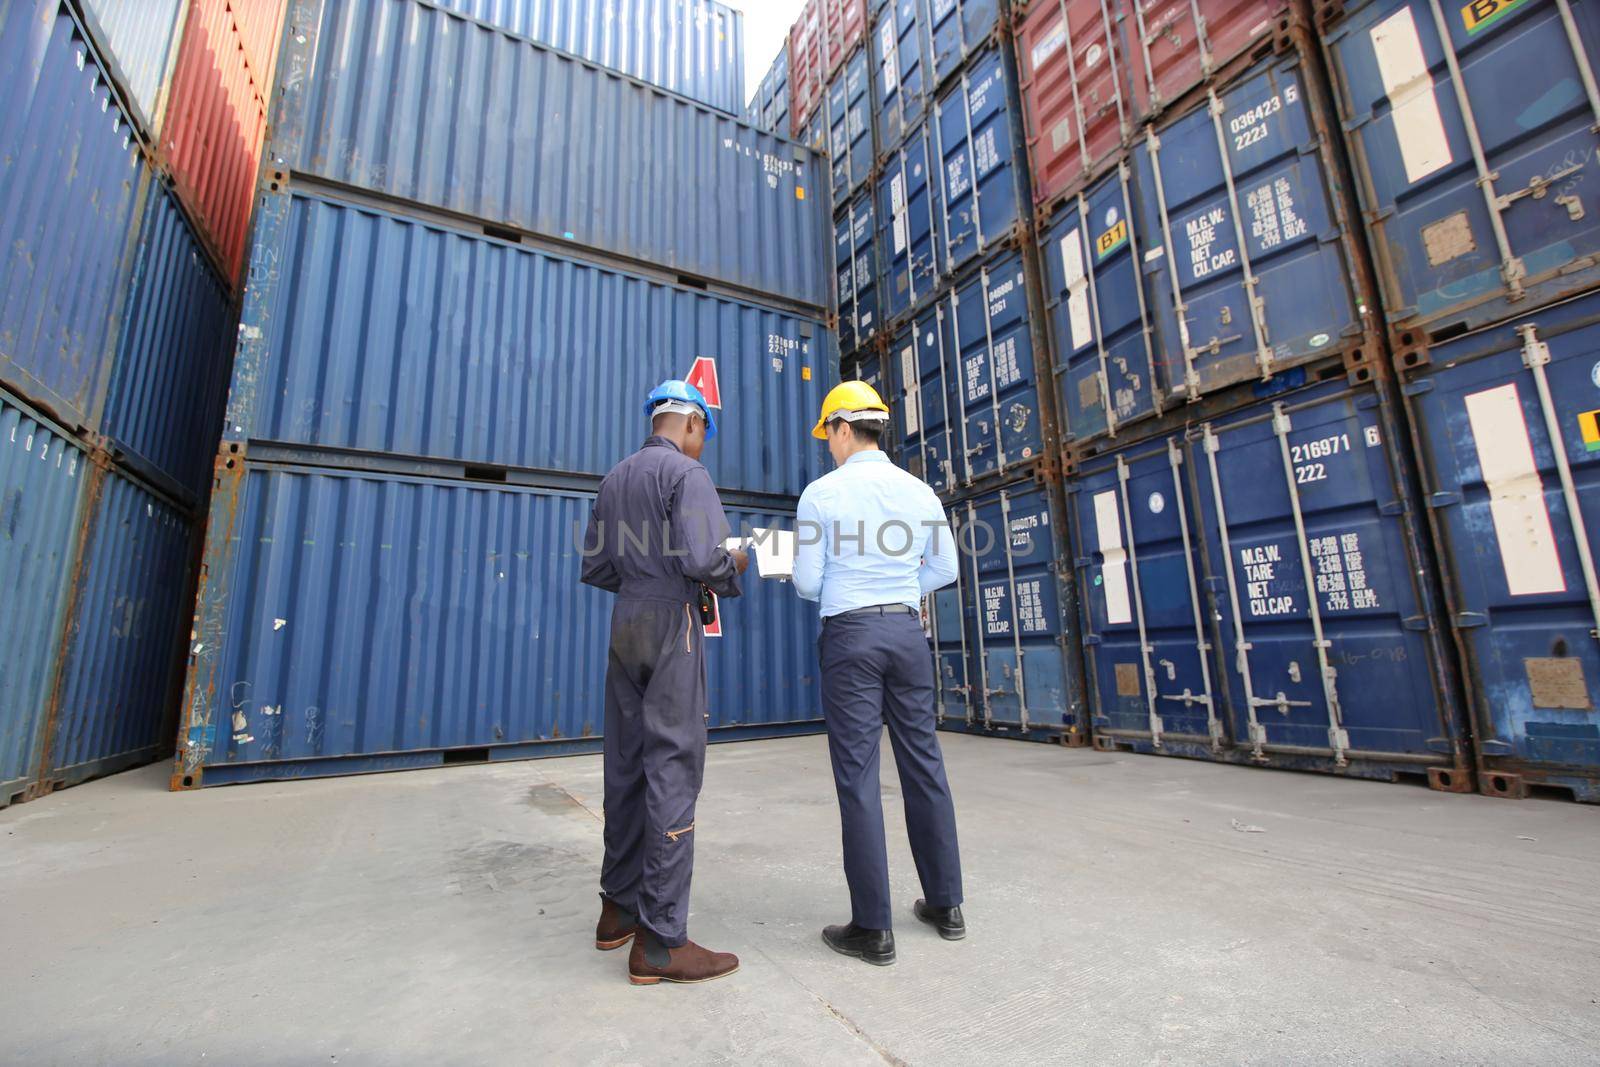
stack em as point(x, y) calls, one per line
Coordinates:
point(766, 27)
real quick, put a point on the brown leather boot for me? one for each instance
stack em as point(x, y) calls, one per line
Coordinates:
point(616, 927)
point(651, 962)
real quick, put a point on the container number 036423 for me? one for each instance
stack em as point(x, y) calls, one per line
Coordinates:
point(1248, 127)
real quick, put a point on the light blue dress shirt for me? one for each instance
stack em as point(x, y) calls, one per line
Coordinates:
point(868, 534)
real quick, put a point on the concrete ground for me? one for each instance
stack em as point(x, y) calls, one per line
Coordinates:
point(1121, 911)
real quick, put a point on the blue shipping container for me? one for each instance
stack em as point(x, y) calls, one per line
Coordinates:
point(169, 383)
point(72, 181)
point(138, 41)
point(1472, 128)
point(984, 192)
point(908, 212)
point(958, 29)
point(695, 48)
point(902, 69)
point(852, 143)
point(408, 101)
point(43, 479)
point(989, 345)
point(923, 398)
point(1509, 443)
point(1256, 589)
point(1105, 362)
point(380, 333)
point(857, 261)
point(1018, 672)
point(1250, 254)
point(355, 622)
point(123, 649)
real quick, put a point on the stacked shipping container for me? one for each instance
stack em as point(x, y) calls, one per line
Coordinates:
point(114, 334)
point(473, 257)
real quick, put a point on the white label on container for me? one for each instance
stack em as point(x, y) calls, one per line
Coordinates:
point(1077, 289)
point(897, 204)
point(1424, 147)
point(908, 368)
point(1049, 44)
point(890, 56)
point(1516, 492)
point(912, 402)
point(1108, 527)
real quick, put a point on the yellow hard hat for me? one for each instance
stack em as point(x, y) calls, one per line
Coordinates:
point(850, 398)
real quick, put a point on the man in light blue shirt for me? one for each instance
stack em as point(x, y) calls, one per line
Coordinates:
point(872, 540)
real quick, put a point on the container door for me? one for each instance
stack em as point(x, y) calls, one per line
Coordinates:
point(1485, 199)
point(918, 358)
point(1015, 544)
point(1247, 270)
point(857, 267)
point(902, 65)
point(946, 622)
point(996, 383)
point(959, 27)
point(1097, 314)
point(1148, 640)
point(1315, 569)
point(1176, 44)
point(980, 197)
point(850, 128)
point(1511, 439)
point(907, 208)
point(1071, 92)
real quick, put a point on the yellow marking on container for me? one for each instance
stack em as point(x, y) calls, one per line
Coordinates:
point(1589, 423)
point(1483, 13)
point(1111, 240)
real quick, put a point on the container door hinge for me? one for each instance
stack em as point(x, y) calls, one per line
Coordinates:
point(1494, 748)
point(1443, 500)
point(1469, 620)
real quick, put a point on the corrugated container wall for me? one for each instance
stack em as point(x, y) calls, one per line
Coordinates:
point(859, 267)
point(356, 622)
point(825, 33)
point(408, 101)
point(694, 48)
point(44, 479)
point(216, 118)
point(72, 181)
point(370, 331)
point(1073, 77)
point(140, 39)
point(1256, 589)
point(852, 137)
point(164, 408)
point(122, 658)
point(1507, 431)
point(1477, 192)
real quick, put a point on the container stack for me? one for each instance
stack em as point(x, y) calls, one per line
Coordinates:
point(1256, 578)
point(1483, 221)
point(769, 108)
point(123, 174)
point(474, 255)
point(940, 307)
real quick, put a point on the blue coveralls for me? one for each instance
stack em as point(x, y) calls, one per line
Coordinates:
point(657, 530)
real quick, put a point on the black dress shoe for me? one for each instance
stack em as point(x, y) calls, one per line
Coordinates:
point(948, 921)
point(874, 946)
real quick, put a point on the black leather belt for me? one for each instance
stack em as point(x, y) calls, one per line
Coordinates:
point(877, 609)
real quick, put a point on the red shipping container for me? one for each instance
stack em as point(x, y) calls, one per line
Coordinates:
point(1074, 96)
point(821, 38)
point(1174, 45)
point(217, 119)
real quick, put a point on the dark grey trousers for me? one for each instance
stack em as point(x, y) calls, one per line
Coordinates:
point(877, 669)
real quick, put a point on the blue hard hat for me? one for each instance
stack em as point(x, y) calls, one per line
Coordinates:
point(684, 393)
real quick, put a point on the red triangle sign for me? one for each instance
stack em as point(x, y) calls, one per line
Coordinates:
point(715, 629)
point(703, 376)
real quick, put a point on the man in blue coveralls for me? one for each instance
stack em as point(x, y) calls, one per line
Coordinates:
point(871, 542)
point(656, 539)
